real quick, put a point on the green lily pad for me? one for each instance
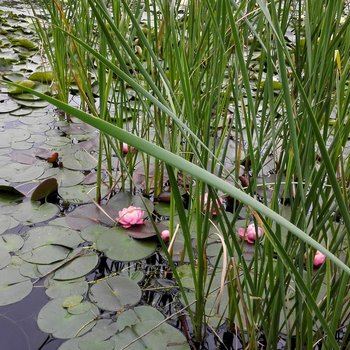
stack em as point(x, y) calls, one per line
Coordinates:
point(45, 254)
point(72, 300)
point(57, 289)
point(77, 267)
point(91, 233)
point(22, 112)
point(17, 172)
point(115, 293)
point(6, 223)
point(29, 270)
point(43, 77)
point(55, 319)
point(24, 42)
point(5, 257)
point(8, 106)
point(80, 160)
point(13, 286)
point(146, 230)
point(13, 135)
point(32, 104)
point(44, 189)
point(97, 339)
point(29, 213)
point(81, 193)
point(84, 216)
point(45, 235)
point(145, 324)
point(20, 89)
point(117, 245)
point(64, 177)
point(11, 242)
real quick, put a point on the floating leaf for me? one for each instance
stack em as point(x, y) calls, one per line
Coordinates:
point(72, 300)
point(19, 89)
point(79, 266)
point(58, 289)
point(115, 293)
point(64, 177)
point(43, 77)
point(6, 223)
point(5, 257)
point(46, 254)
point(84, 216)
point(17, 172)
point(45, 235)
point(11, 242)
point(13, 286)
point(134, 324)
point(24, 42)
point(54, 318)
point(29, 213)
point(80, 160)
point(97, 339)
point(8, 106)
point(81, 193)
point(44, 189)
point(146, 230)
point(117, 245)
point(93, 232)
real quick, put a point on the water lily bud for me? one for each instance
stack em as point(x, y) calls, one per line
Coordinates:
point(127, 148)
point(165, 235)
point(130, 216)
point(251, 233)
point(319, 259)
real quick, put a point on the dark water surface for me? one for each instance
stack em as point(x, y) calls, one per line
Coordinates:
point(18, 328)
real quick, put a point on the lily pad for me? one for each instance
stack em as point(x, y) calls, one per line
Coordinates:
point(81, 193)
point(20, 89)
point(44, 189)
point(145, 324)
point(146, 230)
point(5, 257)
point(17, 172)
point(7, 106)
point(84, 216)
point(80, 160)
point(13, 135)
point(79, 266)
point(13, 286)
point(55, 319)
point(45, 235)
point(72, 300)
point(115, 293)
point(116, 244)
point(29, 213)
point(43, 77)
point(11, 242)
point(58, 289)
point(45, 254)
point(97, 339)
point(6, 223)
point(64, 177)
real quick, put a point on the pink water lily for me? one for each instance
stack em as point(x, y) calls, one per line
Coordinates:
point(165, 235)
point(130, 216)
point(319, 259)
point(127, 148)
point(250, 234)
point(211, 207)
